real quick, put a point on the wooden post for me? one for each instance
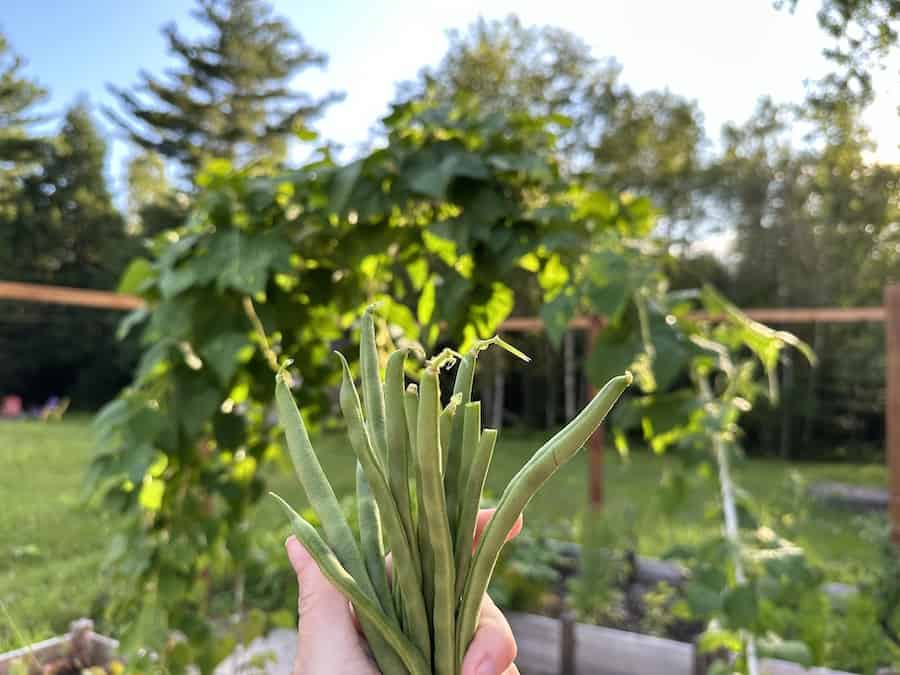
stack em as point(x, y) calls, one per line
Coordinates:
point(892, 404)
point(567, 646)
point(595, 444)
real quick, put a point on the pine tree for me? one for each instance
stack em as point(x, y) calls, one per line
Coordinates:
point(229, 96)
point(67, 232)
point(19, 149)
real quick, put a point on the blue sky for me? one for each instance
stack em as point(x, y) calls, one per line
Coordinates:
point(723, 53)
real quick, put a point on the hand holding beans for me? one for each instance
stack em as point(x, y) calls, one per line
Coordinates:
point(330, 641)
point(435, 619)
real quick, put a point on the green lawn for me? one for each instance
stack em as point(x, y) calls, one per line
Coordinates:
point(51, 547)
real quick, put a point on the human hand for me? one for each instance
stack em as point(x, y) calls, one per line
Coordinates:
point(330, 642)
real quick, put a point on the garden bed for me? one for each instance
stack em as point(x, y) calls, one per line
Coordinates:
point(77, 650)
point(597, 651)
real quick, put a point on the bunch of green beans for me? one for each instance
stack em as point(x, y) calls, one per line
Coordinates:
point(421, 468)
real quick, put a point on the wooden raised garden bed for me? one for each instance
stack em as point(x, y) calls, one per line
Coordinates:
point(78, 650)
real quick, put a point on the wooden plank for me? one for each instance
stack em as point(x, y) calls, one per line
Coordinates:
point(63, 295)
point(806, 314)
point(892, 404)
point(534, 324)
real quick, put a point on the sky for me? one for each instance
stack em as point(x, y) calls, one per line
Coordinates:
point(725, 54)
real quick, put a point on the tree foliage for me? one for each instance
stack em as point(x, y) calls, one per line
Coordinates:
point(65, 231)
point(229, 97)
point(19, 148)
point(647, 143)
point(863, 32)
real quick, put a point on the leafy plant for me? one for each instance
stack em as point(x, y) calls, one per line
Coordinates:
point(441, 225)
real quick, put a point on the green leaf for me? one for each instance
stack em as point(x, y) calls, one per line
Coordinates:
point(137, 272)
point(342, 185)
point(557, 314)
point(487, 317)
point(425, 309)
point(612, 355)
point(741, 606)
point(175, 281)
point(431, 182)
point(553, 276)
point(221, 354)
point(196, 401)
point(134, 318)
point(151, 495)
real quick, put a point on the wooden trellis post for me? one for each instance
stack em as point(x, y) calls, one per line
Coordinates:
point(595, 445)
point(892, 404)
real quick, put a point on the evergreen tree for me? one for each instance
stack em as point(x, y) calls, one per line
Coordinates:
point(66, 232)
point(229, 96)
point(19, 149)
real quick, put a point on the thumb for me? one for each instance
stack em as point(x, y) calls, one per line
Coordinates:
point(325, 616)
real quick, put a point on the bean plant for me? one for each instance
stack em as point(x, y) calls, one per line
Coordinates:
point(421, 467)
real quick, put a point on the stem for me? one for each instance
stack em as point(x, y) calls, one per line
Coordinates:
point(732, 534)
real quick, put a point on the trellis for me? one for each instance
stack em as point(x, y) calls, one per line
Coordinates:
point(888, 314)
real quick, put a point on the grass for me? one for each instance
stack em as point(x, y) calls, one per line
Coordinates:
point(52, 548)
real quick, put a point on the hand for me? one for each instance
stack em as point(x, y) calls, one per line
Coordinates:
point(330, 642)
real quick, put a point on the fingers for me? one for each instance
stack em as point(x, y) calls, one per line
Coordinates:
point(325, 616)
point(493, 649)
point(482, 520)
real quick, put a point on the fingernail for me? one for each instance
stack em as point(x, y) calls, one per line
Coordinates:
point(486, 667)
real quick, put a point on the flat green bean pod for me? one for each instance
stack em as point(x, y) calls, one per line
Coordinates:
point(457, 464)
point(372, 541)
point(373, 394)
point(483, 449)
point(398, 447)
point(406, 573)
point(318, 490)
point(435, 517)
point(555, 452)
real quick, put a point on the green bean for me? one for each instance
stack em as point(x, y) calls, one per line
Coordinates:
point(435, 516)
point(318, 490)
point(372, 541)
point(324, 502)
point(518, 493)
point(457, 465)
point(411, 407)
point(446, 426)
point(398, 441)
point(411, 412)
point(373, 395)
point(483, 449)
point(405, 657)
point(406, 573)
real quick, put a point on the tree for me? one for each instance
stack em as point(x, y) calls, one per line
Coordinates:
point(648, 144)
point(229, 97)
point(154, 204)
point(864, 33)
point(19, 150)
point(67, 232)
